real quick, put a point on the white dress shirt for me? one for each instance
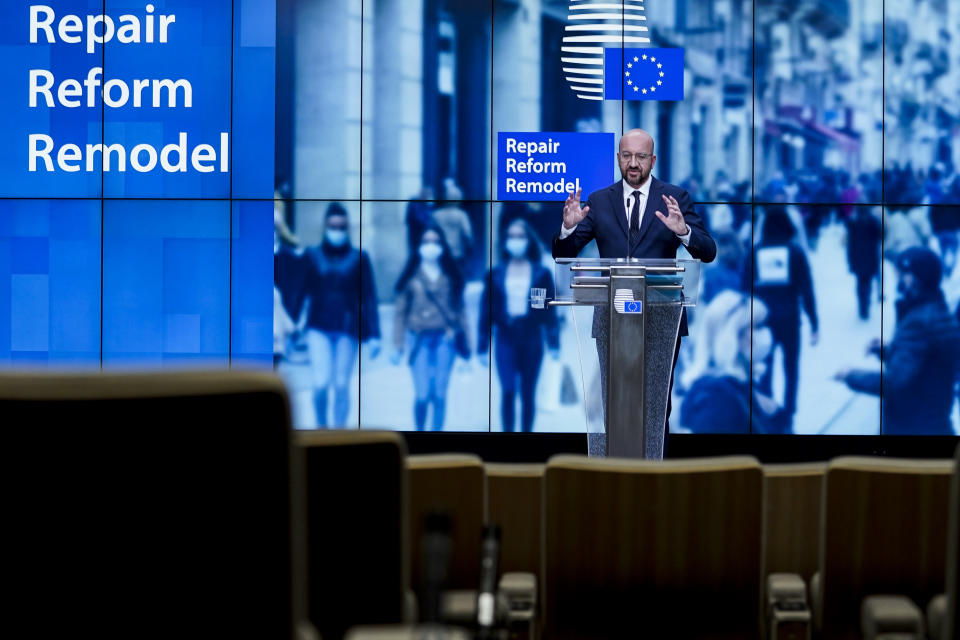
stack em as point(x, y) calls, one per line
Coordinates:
point(628, 190)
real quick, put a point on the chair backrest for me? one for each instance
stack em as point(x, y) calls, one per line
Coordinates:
point(143, 505)
point(791, 517)
point(951, 628)
point(884, 531)
point(454, 484)
point(514, 499)
point(669, 549)
point(358, 568)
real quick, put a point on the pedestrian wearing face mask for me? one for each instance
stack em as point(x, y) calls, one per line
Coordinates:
point(519, 332)
point(339, 310)
point(429, 317)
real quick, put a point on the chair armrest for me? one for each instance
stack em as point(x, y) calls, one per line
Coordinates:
point(459, 607)
point(306, 631)
point(788, 615)
point(519, 593)
point(411, 607)
point(516, 604)
point(816, 601)
point(890, 616)
point(937, 617)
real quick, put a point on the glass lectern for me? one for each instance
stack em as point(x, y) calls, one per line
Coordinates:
point(626, 346)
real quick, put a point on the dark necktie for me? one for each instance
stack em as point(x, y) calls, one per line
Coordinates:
point(634, 223)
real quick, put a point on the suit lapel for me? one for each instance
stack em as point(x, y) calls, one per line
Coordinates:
point(654, 198)
point(616, 204)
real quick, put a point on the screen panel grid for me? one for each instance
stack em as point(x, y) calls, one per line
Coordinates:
point(817, 140)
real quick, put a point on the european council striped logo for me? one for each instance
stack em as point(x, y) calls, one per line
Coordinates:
point(592, 26)
point(623, 302)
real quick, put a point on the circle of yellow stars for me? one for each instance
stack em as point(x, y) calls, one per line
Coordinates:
point(652, 88)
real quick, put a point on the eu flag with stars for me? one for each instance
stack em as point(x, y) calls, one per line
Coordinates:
point(643, 74)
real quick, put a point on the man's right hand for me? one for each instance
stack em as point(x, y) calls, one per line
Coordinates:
point(572, 213)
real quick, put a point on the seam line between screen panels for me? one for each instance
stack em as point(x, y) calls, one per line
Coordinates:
point(363, 28)
point(230, 215)
point(887, 204)
point(490, 239)
point(103, 64)
point(883, 181)
point(753, 187)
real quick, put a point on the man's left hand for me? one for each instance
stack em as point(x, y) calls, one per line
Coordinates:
point(674, 218)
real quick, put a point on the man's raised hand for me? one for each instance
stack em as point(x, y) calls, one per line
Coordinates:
point(572, 213)
point(674, 218)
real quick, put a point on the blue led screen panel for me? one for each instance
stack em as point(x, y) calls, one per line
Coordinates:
point(254, 78)
point(166, 282)
point(49, 283)
point(251, 276)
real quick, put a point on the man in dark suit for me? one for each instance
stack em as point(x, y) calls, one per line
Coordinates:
point(921, 364)
point(636, 217)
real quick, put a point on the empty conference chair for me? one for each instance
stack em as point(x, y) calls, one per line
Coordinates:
point(514, 496)
point(356, 489)
point(514, 499)
point(149, 506)
point(654, 549)
point(791, 517)
point(791, 544)
point(884, 532)
point(453, 484)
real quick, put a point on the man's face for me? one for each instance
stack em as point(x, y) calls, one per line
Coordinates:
point(907, 286)
point(636, 158)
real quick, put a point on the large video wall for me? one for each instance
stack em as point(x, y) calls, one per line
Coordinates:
point(152, 147)
point(818, 139)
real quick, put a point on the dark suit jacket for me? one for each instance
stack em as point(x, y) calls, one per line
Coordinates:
point(606, 222)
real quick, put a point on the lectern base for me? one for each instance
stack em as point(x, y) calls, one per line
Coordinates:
point(636, 310)
point(661, 357)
